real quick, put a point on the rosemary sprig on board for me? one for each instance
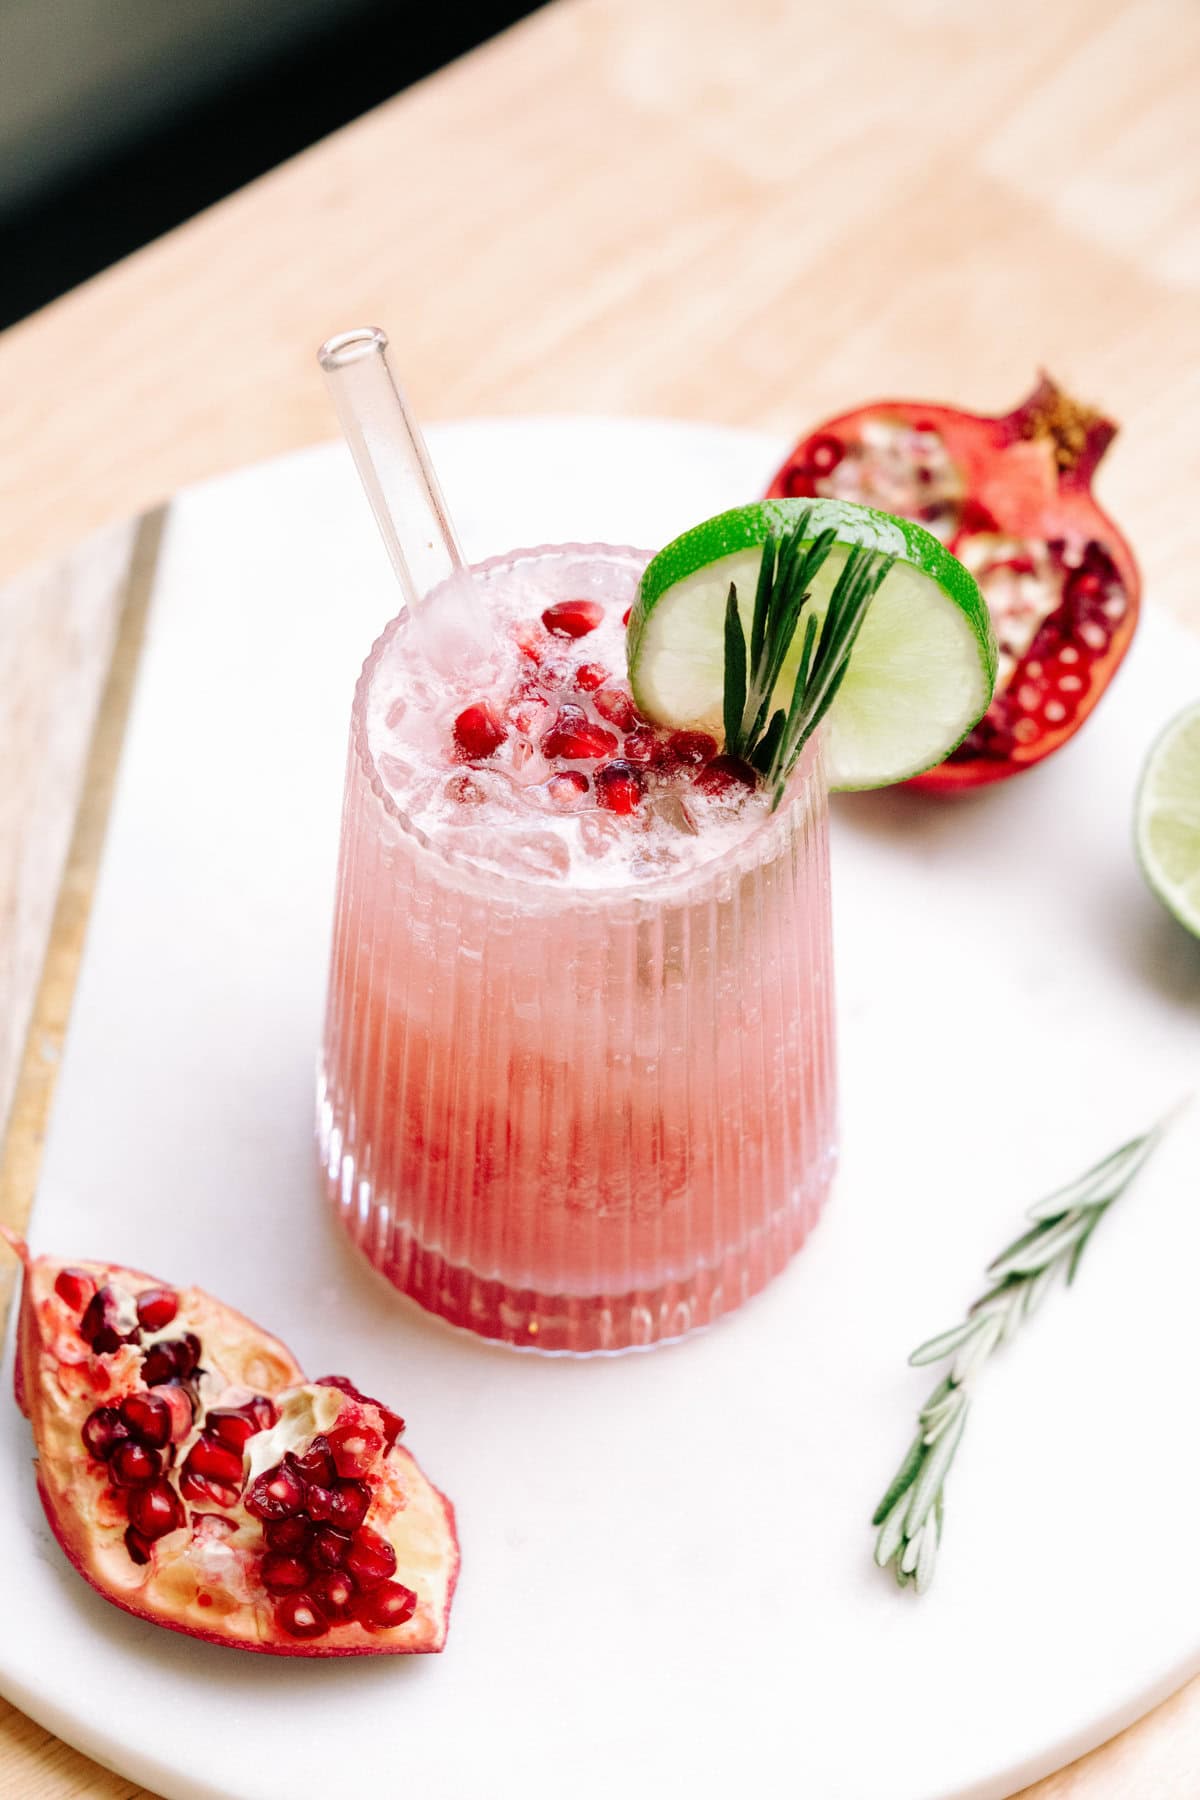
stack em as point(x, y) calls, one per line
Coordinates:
point(909, 1517)
point(772, 740)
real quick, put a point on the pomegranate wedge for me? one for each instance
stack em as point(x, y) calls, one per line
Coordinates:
point(196, 1479)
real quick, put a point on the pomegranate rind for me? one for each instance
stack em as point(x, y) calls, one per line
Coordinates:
point(1030, 469)
point(200, 1584)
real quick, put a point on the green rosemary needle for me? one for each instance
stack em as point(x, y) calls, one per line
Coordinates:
point(909, 1517)
point(772, 741)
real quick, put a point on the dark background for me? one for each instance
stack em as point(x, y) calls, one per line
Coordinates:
point(121, 118)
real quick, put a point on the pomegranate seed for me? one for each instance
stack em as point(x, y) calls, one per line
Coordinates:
point(351, 1503)
point(620, 786)
point(301, 1617)
point(370, 1559)
point(386, 1607)
point(139, 1548)
point(823, 453)
point(282, 1574)
point(723, 775)
point(232, 1426)
point(692, 747)
point(478, 732)
point(75, 1287)
point(528, 640)
point(134, 1465)
point(288, 1534)
point(98, 1326)
point(334, 1593)
point(215, 1461)
point(573, 734)
point(329, 1548)
point(573, 618)
point(264, 1411)
point(355, 1450)
point(156, 1307)
point(204, 1490)
point(590, 676)
point(102, 1431)
point(393, 1424)
point(182, 1404)
point(567, 789)
point(616, 707)
point(318, 1504)
point(317, 1464)
point(158, 1365)
point(626, 615)
point(155, 1510)
point(276, 1494)
point(148, 1418)
point(641, 746)
point(172, 1360)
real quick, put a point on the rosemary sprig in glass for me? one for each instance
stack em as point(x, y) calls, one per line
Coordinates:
point(772, 741)
point(909, 1517)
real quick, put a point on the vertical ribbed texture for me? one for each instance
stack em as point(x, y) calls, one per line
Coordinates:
point(573, 1121)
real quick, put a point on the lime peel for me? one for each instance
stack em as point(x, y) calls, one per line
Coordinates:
point(923, 668)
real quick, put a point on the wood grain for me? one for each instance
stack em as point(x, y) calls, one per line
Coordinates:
point(755, 211)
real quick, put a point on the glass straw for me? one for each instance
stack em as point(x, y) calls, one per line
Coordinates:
point(392, 461)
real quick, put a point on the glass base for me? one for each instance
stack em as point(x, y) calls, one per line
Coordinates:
point(570, 1324)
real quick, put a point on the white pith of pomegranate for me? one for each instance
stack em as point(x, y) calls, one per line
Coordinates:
point(196, 1479)
point(1012, 498)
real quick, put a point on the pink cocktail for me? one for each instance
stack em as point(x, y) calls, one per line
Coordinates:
point(577, 1085)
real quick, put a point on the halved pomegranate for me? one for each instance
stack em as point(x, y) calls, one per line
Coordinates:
point(195, 1478)
point(1012, 498)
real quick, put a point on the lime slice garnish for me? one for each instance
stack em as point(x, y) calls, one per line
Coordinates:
point(922, 670)
point(1167, 824)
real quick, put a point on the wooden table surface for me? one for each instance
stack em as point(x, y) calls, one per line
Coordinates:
point(751, 211)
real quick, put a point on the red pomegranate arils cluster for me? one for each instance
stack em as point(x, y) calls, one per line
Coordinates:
point(571, 736)
point(320, 1555)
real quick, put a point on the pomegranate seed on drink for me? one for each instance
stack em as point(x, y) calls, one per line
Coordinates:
point(573, 618)
point(568, 788)
point(616, 707)
point(692, 747)
point(478, 732)
point(590, 676)
point(724, 775)
point(574, 735)
point(620, 787)
point(642, 746)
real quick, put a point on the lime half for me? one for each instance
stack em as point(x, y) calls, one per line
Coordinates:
point(922, 671)
point(1168, 818)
